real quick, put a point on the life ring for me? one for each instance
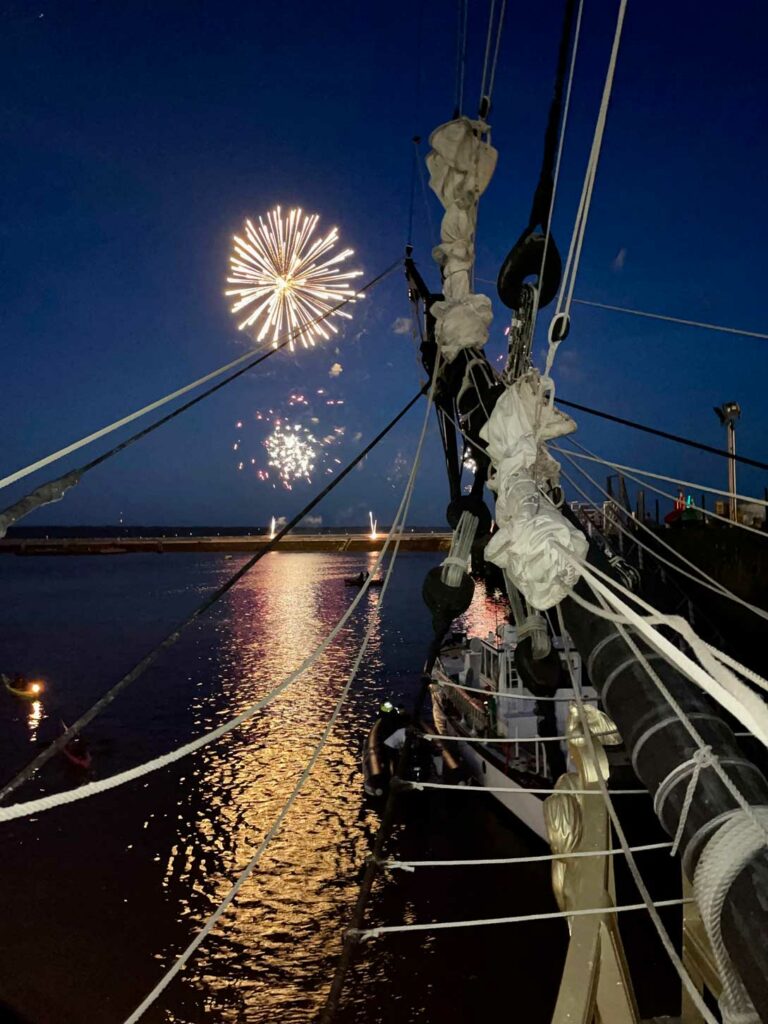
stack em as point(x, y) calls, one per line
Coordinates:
point(524, 261)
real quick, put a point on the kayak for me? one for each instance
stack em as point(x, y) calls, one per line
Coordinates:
point(76, 751)
point(355, 581)
point(31, 690)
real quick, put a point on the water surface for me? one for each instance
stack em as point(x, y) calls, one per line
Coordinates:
point(99, 897)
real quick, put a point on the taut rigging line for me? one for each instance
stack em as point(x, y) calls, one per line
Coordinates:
point(54, 490)
point(148, 660)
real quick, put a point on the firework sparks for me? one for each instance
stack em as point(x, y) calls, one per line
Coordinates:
point(374, 524)
point(292, 452)
point(287, 279)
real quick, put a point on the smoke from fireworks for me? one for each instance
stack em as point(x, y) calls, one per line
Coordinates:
point(286, 278)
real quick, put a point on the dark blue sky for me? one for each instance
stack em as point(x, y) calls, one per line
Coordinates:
point(137, 137)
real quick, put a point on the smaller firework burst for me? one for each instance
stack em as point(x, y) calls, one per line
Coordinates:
point(291, 451)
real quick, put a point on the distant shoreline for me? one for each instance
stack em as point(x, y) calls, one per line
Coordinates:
point(190, 543)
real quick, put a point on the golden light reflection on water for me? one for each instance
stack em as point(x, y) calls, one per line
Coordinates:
point(274, 619)
point(34, 717)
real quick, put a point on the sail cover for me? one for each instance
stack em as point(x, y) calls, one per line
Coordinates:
point(461, 164)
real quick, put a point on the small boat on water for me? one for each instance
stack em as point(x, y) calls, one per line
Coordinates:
point(23, 688)
point(360, 579)
point(381, 752)
point(76, 751)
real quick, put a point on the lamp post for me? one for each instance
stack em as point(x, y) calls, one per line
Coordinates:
point(728, 413)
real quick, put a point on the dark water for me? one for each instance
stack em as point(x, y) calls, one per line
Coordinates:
point(97, 898)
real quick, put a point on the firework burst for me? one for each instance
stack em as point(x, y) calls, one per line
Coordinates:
point(291, 451)
point(287, 281)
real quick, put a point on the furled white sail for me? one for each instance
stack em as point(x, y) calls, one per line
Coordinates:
point(461, 164)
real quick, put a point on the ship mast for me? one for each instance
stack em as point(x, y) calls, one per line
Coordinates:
point(656, 734)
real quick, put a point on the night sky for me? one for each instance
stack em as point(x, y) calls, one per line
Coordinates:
point(137, 137)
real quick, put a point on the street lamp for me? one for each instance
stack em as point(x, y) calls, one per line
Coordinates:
point(728, 413)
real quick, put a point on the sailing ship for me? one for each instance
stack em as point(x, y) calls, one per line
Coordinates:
point(581, 687)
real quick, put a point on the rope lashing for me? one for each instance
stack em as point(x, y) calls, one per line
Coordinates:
point(701, 759)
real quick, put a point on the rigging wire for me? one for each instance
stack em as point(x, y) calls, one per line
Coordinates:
point(674, 319)
point(562, 311)
point(148, 660)
point(397, 525)
point(487, 53)
point(461, 56)
point(672, 497)
point(554, 177)
point(743, 459)
point(492, 77)
point(702, 580)
point(261, 356)
point(667, 479)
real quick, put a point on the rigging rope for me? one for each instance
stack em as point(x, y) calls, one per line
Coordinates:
point(432, 926)
point(703, 579)
point(96, 435)
point(562, 311)
point(412, 865)
point(398, 524)
point(139, 669)
point(743, 459)
point(549, 179)
point(673, 497)
point(458, 788)
point(674, 319)
point(667, 479)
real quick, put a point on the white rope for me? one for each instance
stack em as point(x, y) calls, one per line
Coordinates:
point(705, 581)
point(46, 803)
point(660, 476)
point(681, 715)
point(487, 51)
point(19, 474)
point(577, 238)
point(412, 865)
point(408, 784)
point(399, 522)
point(104, 431)
point(648, 903)
point(674, 319)
point(455, 563)
point(494, 739)
point(702, 758)
point(496, 693)
point(723, 858)
point(685, 629)
point(374, 933)
point(673, 497)
point(711, 676)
